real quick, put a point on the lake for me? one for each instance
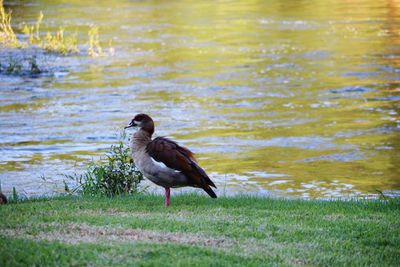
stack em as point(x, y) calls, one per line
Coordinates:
point(282, 98)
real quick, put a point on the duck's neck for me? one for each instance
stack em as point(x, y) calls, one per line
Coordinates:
point(140, 139)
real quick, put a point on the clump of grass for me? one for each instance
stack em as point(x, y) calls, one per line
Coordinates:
point(34, 68)
point(52, 42)
point(56, 42)
point(36, 43)
point(116, 174)
point(59, 43)
point(111, 49)
point(32, 32)
point(15, 195)
point(7, 35)
point(20, 66)
point(13, 67)
point(95, 49)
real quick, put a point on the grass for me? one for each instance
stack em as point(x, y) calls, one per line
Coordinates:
point(199, 231)
point(95, 49)
point(19, 66)
point(36, 43)
point(7, 35)
point(52, 42)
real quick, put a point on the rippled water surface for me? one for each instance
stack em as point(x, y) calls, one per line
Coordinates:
point(293, 98)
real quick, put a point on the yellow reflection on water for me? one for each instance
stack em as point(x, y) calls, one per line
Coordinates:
point(298, 98)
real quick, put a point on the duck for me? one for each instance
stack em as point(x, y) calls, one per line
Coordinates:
point(163, 161)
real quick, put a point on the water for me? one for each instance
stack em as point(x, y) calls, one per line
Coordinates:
point(279, 97)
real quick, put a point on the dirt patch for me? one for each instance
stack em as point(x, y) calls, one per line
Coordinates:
point(182, 216)
point(78, 233)
point(84, 233)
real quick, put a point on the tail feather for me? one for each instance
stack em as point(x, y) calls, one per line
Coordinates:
point(210, 192)
point(203, 174)
point(200, 179)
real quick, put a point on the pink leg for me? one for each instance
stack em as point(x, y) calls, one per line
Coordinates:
point(167, 195)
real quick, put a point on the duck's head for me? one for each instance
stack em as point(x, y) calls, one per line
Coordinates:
point(143, 121)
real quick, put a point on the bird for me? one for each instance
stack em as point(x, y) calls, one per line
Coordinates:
point(163, 161)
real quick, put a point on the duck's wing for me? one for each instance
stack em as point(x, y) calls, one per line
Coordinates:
point(179, 158)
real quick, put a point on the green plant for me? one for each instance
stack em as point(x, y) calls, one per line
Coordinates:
point(116, 174)
point(14, 195)
point(56, 42)
point(60, 44)
point(32, 32)
point(95, 49)
point(52, 42)
point(14, 67)
point(7, 35)
point(34, 68)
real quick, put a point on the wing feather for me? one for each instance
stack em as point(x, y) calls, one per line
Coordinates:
point(181, 159)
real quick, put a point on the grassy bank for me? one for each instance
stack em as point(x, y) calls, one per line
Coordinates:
point(195, 230)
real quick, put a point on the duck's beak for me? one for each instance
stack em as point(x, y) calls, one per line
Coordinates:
point(132, 124)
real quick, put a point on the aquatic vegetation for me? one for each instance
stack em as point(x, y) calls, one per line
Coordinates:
point(33, 66)
point(56, 42)
point(36, 42)
point(14, 67)
point(7, 35)
point(116, 174)
point(111, 49)
point(32, 32)
point(95, 49)
point(20, 66)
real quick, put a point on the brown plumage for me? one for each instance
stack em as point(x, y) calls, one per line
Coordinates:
point(164, 162)
point(181, 159)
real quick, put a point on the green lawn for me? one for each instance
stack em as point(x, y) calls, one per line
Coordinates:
point(199, 231)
